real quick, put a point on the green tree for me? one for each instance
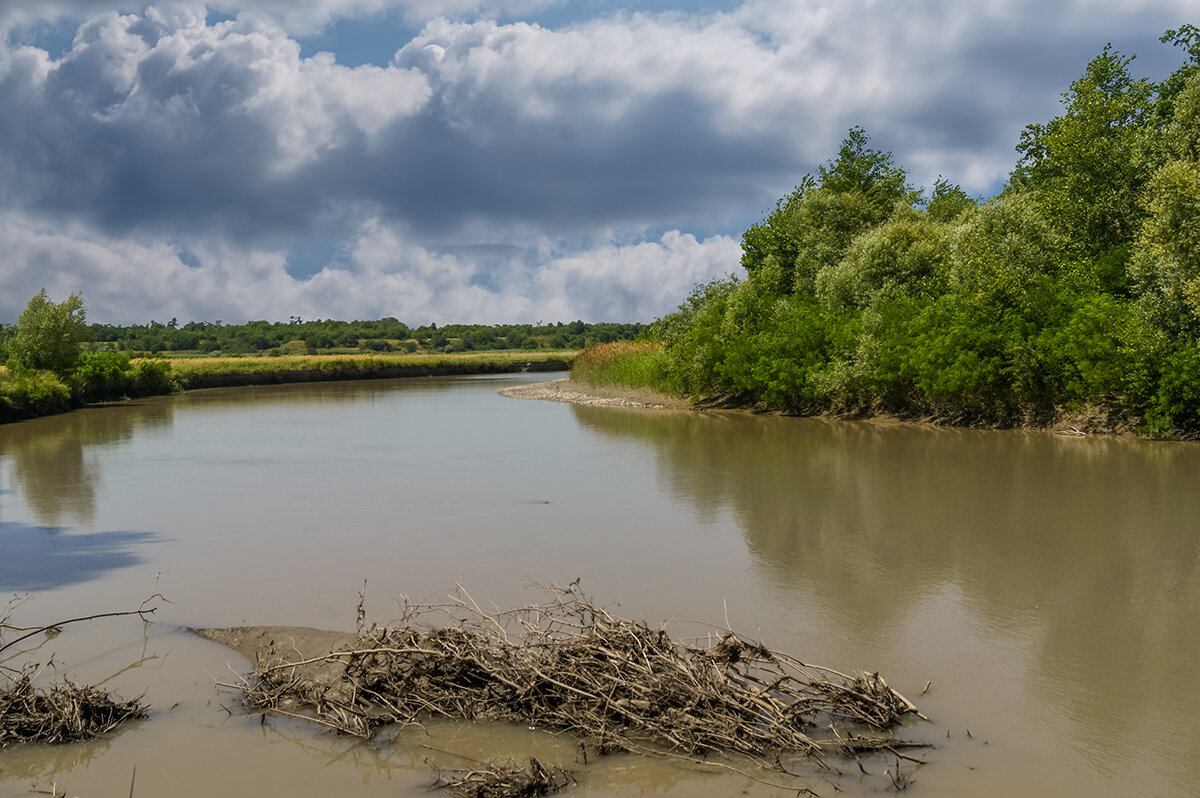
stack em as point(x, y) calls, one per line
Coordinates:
point(1087, 167)
point(948, 202)
point(1167, 260)
point(905, 255)
point(48, 335)
point(1187, 37)
point(811, 229)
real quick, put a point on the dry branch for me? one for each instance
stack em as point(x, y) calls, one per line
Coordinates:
point(65, 712)
point(504, 781)
point(571, 666)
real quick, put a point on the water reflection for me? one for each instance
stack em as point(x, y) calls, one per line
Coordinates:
point(361, 392)
point(41, 558)
point(1087, 548)
point(49, 461)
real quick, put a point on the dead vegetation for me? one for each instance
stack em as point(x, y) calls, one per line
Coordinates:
point(568, 665)
point(508, 780)
point(64, 712)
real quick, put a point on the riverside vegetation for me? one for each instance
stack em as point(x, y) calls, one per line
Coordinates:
point(1071, 297)
point(55, 361)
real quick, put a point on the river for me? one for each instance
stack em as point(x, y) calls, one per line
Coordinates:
point(1047, 588)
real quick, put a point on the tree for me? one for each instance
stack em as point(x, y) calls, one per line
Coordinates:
point(1188, 38)
point(948, 202)
point(48, 335)
point(1167, 259)
point(1087, 167)
point(811, 229)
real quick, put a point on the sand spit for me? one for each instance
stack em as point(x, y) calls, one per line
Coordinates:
point(596, 396)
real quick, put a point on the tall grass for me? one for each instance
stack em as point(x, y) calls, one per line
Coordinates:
point(349, 363)
point(630, 364)
point(27, 394)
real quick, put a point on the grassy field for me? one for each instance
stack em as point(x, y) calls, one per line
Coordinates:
point(212, 372)
point(185, 366)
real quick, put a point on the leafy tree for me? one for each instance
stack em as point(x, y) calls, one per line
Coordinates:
point(1187, 37)
point(48, 335)
point(1088, 166)
point(1167, 260)
point(811, 229)
point(948, 202)
point(1004, 252)
point(906, 254)
point(860, 169)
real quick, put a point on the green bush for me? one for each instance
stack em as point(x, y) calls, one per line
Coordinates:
point(102, 375)
point(151, 377)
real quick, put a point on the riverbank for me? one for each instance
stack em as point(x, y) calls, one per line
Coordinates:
point(1087, 421)
point(36, 394)
point(192, 373)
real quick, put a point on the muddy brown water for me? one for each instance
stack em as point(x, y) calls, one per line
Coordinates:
point(1048, 587)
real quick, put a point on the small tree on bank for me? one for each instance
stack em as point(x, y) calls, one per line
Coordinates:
point(48, 335)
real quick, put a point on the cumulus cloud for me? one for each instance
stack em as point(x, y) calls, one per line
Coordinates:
point(381, 274)
point(491, 170)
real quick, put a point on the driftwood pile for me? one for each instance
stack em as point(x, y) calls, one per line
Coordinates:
point(570, 666)
point(63, 713)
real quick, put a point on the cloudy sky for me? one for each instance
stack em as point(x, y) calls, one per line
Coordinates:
point(484, 160)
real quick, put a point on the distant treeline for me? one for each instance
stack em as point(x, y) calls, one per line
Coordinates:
point(1074, 293)
point(297, 336)
point(53, 361)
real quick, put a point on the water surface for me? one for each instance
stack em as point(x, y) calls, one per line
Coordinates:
point(1047, 587)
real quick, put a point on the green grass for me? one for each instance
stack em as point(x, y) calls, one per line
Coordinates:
point(27, 394)
point(630, 364)
point(182, 368)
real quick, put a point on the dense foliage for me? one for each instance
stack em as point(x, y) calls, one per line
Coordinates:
point(297, 336)
point(1076, 289)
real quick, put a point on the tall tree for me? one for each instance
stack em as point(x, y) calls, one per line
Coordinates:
point(1087, 167)
point(811, 229)
point(48, 335)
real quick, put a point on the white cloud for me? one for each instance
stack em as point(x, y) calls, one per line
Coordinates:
point(481, 174)
point(383, 274)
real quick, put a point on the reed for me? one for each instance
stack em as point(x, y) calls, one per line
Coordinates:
point(631, 364)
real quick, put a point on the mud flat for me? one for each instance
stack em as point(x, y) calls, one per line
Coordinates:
point(566, 390)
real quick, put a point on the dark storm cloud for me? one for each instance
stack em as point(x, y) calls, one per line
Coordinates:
point(663, 160)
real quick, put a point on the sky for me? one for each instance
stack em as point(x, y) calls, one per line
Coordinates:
point(485, 161)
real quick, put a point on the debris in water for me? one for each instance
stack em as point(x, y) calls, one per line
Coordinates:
point(504, 781)
point(571, 666)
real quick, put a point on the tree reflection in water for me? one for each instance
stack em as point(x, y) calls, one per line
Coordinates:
point(1087, 548)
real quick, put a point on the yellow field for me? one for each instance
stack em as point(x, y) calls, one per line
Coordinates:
point(184, 366)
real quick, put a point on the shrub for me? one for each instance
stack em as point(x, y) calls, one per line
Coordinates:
point(151, 377)
point(102, 375)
